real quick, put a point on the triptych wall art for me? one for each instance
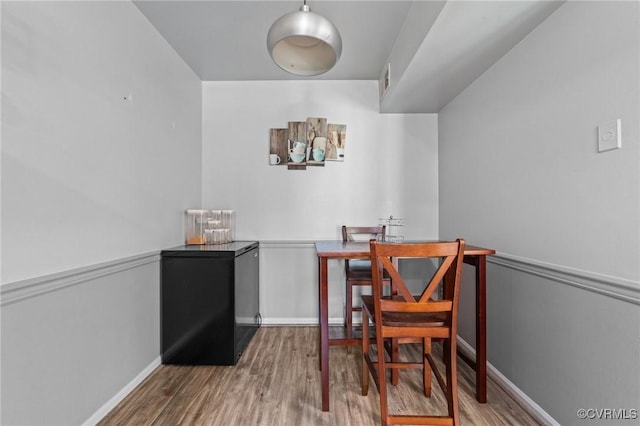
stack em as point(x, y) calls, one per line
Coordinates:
point(307, 144)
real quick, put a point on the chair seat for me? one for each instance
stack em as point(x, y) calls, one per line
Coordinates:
point(359, 275)
point(406, 319)
point(360, 265)
point(360, 270)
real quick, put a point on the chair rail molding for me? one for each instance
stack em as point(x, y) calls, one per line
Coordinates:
point(271, 244)
point(32, 287)
point(618, 288)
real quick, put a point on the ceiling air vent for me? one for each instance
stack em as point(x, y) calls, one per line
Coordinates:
point(387, 78)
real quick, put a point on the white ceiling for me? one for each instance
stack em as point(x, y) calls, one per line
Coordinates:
point(442, 45)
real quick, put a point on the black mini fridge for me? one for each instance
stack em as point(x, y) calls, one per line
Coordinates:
point(209, 302)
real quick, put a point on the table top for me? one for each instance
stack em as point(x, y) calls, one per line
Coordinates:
point(356, 249)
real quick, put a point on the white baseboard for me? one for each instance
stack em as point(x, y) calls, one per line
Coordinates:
point(110, 405)
point(511, 389)
point(289, 321)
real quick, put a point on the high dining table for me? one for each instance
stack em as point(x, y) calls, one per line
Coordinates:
point(337, 335)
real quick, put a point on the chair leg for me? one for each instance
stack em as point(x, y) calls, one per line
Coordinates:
point(349, 309)
point(452, 381)
point(382, 382)
point(365, 353)
point(426, 367)
point(395, 357)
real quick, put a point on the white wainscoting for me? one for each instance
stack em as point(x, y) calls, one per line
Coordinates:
point(102, 322)
point(76, 341)
point(549, 328)
point(527, 403)
point(289, 284)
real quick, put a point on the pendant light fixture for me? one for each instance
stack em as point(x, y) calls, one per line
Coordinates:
point(304, 43)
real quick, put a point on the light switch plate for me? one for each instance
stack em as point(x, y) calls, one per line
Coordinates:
point(609, 136)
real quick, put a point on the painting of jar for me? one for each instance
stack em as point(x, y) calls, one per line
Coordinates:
point(297, 145)
point(316, 141)
point(336, 140)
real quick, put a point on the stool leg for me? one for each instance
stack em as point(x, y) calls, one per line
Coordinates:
point(382, 382)
point(365, 353)
point(452, 381)
point(426, 367)
point(349, 310)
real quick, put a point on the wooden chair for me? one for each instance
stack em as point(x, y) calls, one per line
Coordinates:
point(404, 318)
point(358, 271)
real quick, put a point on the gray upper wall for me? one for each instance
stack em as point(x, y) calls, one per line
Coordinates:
point(520, 172)
point(520, 146)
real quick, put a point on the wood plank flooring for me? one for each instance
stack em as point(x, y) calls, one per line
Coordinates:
point(277, 382)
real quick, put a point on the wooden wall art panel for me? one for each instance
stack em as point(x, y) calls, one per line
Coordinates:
point(278, 147)
point(336, 141)
point(316, 141)
point(307, 143)
point(297, 145)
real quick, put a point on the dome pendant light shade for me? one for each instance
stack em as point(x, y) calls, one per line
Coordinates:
point(304, 43)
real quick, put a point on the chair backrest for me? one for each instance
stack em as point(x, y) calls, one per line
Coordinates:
point(362, 233)
point(448, 271)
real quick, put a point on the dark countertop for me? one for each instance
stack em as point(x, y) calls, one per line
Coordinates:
point(234, 248)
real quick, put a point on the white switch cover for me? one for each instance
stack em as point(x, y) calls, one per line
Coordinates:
point(609, 136)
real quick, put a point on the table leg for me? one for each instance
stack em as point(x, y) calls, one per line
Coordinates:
point(324, 332)
point(481, 328)
point(319, 314)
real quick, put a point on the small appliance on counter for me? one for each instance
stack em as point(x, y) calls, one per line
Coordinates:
point(209, 226)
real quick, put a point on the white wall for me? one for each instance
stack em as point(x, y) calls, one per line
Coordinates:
point(390, 168)
point(88, 177)
point(93, 187)
point(519, 172)
point(274, 203)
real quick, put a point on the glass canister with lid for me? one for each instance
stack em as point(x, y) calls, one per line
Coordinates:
point(195, 222)
point(209, 226)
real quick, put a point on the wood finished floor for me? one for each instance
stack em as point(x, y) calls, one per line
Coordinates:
point(277, 382)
